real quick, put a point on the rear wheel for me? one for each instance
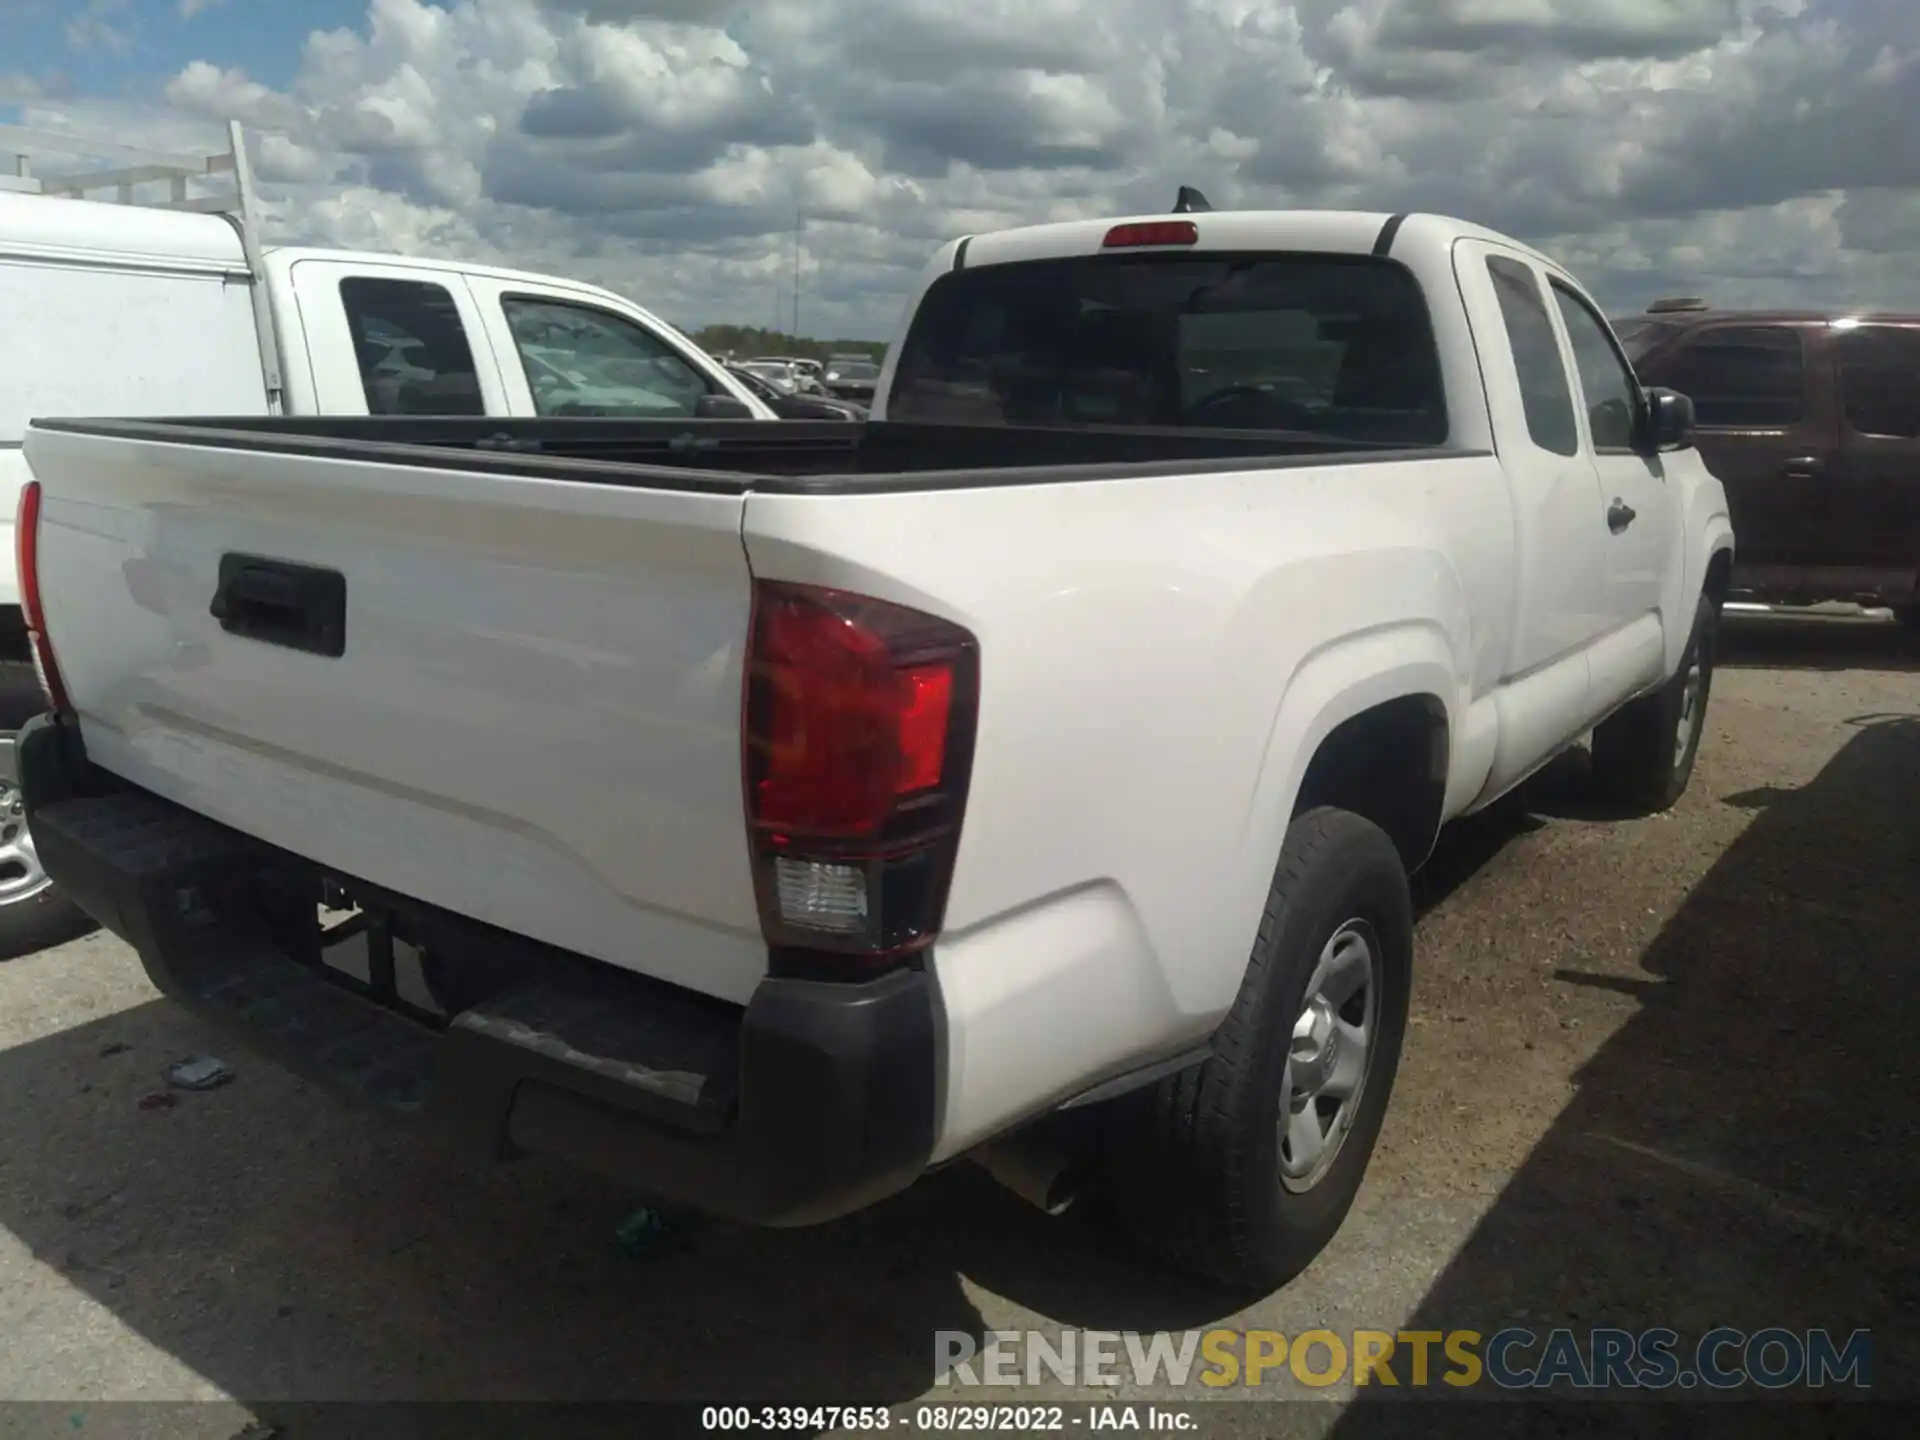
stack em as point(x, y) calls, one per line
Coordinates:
point(33, 912)
point(1243, 1168)
point(1643, 756)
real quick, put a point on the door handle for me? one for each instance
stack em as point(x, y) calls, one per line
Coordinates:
point(1804, 467)
point(300, 607)
point(1619, 515)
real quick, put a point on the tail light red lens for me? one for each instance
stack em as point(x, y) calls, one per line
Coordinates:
point(858, 742)
point(26, 554)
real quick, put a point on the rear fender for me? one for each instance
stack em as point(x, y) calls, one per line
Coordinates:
point(1706, 527)
point(1332, 685)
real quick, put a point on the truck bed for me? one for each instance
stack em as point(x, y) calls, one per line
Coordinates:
point(496, 667)
point(733, 457)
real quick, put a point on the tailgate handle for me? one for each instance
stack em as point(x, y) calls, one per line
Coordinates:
point(300, 607)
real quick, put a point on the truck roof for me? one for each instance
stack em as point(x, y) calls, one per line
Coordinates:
point(287, 254)
point(49, 225)
point(1338, 232)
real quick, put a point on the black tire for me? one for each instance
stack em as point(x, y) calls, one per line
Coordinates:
point(1193, 1163)
point(1638, 759)
point(47, 917)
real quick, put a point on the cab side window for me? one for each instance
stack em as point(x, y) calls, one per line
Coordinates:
point(411, 348)
point(583, 361)
point(1742, 377)
point(1880, 380)
point(1544, 390)
point(1613, 395)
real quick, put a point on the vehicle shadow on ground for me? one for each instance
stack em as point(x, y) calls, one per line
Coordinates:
point(286, 1248)
point(1745, 1150)
point(1567, 788)
point(1775, 642)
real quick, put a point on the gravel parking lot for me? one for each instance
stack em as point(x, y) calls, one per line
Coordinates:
point(1661, 1072)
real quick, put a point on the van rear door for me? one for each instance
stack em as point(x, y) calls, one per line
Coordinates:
point(100, 335)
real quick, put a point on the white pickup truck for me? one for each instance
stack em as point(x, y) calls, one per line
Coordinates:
point(767, 815)
point(157, 307)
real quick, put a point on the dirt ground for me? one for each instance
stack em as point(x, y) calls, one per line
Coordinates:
point(1661, 1072)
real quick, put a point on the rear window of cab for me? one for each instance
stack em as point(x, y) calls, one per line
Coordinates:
point(1331, 345)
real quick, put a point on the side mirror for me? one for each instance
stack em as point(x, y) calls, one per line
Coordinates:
point(721, 407)
point(1669, 419)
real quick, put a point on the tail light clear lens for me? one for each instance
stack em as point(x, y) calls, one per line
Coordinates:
point(858, 744)
point(26, 554)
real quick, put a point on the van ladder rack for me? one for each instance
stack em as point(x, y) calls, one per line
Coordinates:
point(136, 167)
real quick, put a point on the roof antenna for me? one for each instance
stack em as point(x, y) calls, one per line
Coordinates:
point(1189, 201)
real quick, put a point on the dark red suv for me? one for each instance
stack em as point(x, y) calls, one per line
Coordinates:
point(1812, 422)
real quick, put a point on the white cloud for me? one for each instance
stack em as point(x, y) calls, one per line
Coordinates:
point(99, 28)
point(1752, 150)
point(19, 88)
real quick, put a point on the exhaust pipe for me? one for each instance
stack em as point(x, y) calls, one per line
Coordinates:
point(1042, 1175)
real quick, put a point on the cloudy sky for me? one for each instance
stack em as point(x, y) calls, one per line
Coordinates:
point(1756, 151)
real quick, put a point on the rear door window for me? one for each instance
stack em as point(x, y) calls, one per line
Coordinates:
point(583, 361)
point(411, 348)
point(1741, 377)
point(1330, 345)
point(1880, 380)
point(1545, 393)
point(1612, 393)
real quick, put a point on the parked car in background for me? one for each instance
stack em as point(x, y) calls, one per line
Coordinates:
point(1811, 419)
point(789, 405)
point(161, 308)
point(777, 373)
point(772, 814)
point(803, 374)
point(852, 377)
point(792, 376)
point(807, 368)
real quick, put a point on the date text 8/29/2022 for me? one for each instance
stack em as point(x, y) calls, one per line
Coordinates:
point(1014, 1419)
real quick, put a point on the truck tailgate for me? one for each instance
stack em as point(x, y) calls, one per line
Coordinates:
point(534, 715)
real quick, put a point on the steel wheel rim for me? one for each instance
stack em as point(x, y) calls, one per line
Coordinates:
point(1691, 695)
point(22, 877)
point(1330, 1052)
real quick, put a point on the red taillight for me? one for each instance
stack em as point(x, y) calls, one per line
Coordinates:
point(26, 554)
point(1153, 232)
point(858, 739)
